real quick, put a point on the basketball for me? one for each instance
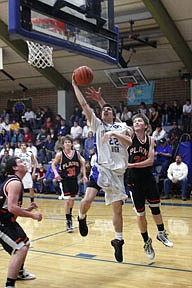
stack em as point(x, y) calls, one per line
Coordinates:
point(83, 75)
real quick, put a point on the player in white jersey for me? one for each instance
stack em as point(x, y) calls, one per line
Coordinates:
point(112, 141)
point(31, 164)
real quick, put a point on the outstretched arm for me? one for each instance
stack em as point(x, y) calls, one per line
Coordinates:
point(82, 101)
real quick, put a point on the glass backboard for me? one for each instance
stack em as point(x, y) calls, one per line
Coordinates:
point(82, 26)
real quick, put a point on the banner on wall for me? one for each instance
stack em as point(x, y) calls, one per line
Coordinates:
point(20, 104)
point(143, 93)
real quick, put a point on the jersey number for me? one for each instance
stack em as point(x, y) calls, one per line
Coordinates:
point(71, 172)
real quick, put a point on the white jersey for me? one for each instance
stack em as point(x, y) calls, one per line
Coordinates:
point(111, 154)
point(26, 158)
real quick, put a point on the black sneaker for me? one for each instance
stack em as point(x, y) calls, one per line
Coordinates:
point(117, 244)
point(83, 229)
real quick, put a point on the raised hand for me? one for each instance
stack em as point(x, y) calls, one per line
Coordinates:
point(93, 94)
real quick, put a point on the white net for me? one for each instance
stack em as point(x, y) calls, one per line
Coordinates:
point(40, 55)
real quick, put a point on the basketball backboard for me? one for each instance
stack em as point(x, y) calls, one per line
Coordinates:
point(81, 26)
point(125, 77)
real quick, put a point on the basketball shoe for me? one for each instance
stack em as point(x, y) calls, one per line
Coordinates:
point(118, 246)
point(69, 225)
point(149, 249)
point(24, 275)
point(163, 237)
point(83, 229)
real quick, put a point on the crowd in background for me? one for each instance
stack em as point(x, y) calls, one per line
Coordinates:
point(43, 132)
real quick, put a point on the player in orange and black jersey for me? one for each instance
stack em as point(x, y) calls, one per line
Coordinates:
point(12, 236)
point(142, 184)
point(71, 163)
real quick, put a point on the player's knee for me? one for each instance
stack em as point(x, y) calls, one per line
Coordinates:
point(155, 210)
point(139, 213)
point(23, 250)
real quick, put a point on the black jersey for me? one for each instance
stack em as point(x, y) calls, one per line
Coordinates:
point(5, 215)
point(70, 166)
point(138, 152)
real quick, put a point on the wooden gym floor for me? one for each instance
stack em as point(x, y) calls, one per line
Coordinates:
point(60, 259)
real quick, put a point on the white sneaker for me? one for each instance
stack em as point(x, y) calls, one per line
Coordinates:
point(61, 197)
point(149, 249)
point(26, 276)
point(163, 237)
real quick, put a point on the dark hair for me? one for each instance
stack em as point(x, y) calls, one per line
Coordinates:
point(12, 162)
point(7, 168)
point(108, 105)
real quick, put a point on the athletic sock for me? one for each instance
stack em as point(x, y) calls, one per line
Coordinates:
point(145, 236)
point(81, 216)
point(160, 227)
point(10, 282)
point(68, 216)
point(119, 235)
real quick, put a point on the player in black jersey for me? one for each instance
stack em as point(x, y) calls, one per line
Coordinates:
point(12, 237)
point(71, 163)
point(142, 183)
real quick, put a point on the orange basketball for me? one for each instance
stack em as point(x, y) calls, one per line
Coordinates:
point(83, 75)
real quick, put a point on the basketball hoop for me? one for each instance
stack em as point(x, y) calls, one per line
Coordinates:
point(40, 55)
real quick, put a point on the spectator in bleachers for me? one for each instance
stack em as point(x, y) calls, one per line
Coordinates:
point(86, 129)
point(49, 146)
point(163, 156)
point(14, 115)
point(177, 174)
point(4, 138)
point(53, 134)
point(42, 135)
point(49, 123)
point(39, 117)
point(126, 114)
point(24, 123)
point(76, 116)
point(4, 115)
point(17, 137)
point(174, 135)
point(77, 146)
point(57, 122)
point(30, 117)
point(166, 113)
point(175, 112)
point(50, 179)
point(14, 126)
point(5, 157)
point(59, 143)
point(6, 125)
point(142, 108)
point(47, 113)
point(154, 117)
point(63, 127)
point(27, 135)
point(7, 147)
point(89, 146)
point(187, 108)
point(76, 131)
point(40, 176)
point(17, 149)
point(158, 133)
